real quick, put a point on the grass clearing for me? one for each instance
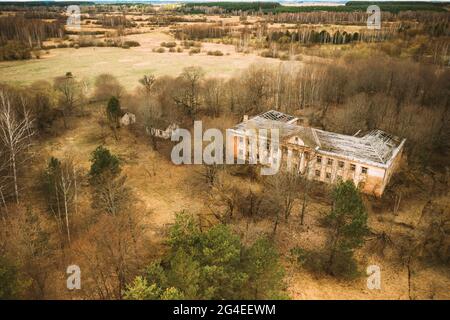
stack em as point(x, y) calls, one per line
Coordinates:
point(128, 65)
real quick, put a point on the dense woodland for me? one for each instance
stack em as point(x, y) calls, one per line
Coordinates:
point(56, 211)
point(350, 6)
point(400, 97)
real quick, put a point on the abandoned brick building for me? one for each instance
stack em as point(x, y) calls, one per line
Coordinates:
point(368, 160)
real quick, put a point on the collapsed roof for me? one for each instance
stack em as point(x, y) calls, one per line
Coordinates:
point(377, 147)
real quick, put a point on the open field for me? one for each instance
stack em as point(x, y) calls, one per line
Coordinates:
point(128, 65)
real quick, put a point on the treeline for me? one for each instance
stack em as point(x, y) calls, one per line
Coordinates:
point(56, 7)
point(231, 6)
point(201, 31)
point(29, 31)
point(351, 6)
point(358, 18)
point(396, 6)
point(14, 50)
point(114, 21)
point(47, 4)
point(311, 36)
point(43, 14)
point(322, 17)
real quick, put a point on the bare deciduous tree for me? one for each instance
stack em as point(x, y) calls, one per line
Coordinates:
point(15, 134)
point(224, 197)
point(112, 254)
point(112, 195)
point(188, 95)
point(61, 192)
point(69, 90)
point(147, 82)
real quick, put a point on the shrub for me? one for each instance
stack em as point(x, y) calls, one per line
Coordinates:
point(194, 51)
point(269, 54)
point(344, 266)
point(159, 50)
point(14, 50)
point(189, 43)
point(52, 46)
point(171, 44)
point(215, 53)
point(112, 43)
point(37, 53)
point(106, 86)
point(284, 56)
point(131, 43)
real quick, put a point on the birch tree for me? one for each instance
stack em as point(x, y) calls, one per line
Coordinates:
point(3, 167)
point(15, 134)
point(60, 185)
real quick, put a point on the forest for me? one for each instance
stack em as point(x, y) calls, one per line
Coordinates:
point(64, 219)
point(350, 6)
point(79, 187)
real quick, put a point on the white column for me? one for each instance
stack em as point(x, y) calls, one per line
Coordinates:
point(289, 159)
point(302, 163)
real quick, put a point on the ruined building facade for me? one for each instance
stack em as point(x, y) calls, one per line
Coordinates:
point(368, 160)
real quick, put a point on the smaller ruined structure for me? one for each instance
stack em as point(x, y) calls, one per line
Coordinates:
point(164, 134)
point(368, 160)
point(127, 119)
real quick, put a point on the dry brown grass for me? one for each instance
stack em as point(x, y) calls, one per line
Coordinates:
point(128, 65)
